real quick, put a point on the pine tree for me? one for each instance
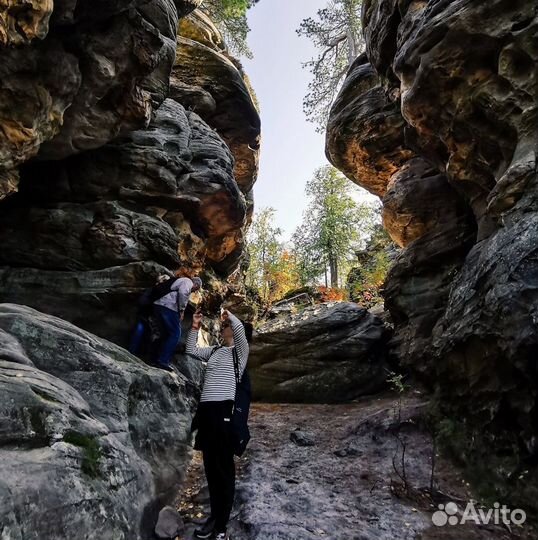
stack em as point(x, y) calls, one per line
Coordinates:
point(230, 17)
point(334, 224)
point(336, 33)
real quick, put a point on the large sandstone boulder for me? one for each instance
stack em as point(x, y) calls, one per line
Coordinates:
point(92, 441)
point(323, 354)
point(457, 80)
point(365, 134)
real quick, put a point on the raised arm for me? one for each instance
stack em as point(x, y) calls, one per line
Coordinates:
point(202, 353)
point(240, 340)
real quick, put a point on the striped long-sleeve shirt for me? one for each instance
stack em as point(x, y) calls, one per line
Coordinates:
point(219, 380)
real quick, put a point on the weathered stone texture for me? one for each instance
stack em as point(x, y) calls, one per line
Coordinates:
point(106, 181)
point(323, 354)
point(92, 441)
point(159, 195)
point(218, 77)
point(455, 85)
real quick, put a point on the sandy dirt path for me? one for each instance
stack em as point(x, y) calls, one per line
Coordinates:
point(343, 485)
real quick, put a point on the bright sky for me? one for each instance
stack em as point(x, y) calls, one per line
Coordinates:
point(291, 148)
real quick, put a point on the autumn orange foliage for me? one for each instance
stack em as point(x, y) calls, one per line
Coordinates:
point(329, 294)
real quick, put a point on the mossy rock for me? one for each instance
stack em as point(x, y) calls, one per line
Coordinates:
point(91, 460)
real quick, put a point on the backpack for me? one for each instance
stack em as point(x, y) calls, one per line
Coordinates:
point(151, 295)
point(243, 393)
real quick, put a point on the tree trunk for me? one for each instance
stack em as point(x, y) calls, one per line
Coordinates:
point(351, 47)
point(334, 272)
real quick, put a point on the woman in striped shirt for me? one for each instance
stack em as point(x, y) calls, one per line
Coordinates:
point(214, 417)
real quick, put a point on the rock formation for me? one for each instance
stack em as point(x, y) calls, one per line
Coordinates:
point(75, 74)
point(92, 441)
point(439, 119)
point(115, 166)
point(323, 354)
point(127, 179)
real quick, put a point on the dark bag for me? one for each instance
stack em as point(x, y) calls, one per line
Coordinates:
point(243, 393)
point(151, 295)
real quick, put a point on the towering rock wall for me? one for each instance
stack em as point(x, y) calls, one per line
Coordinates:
point(134, 151)
point(117, 163)
point(439, 119)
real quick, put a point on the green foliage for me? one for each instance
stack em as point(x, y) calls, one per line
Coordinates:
point(309, 264)
point(369, 271)
point(333, 227)
point(272, 270)
point(396, 382)
point(230, 17)
point(92, 452)
point(336, 34)
point(234, 8)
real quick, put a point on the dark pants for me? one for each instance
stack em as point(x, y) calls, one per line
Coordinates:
point(214, 439)
point(170, 325)
point(139, 336)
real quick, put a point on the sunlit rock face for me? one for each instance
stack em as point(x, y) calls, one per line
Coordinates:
point(439, 119)
point(74, 75)
point(22, 21)
point(112, 197)
point(365, 135)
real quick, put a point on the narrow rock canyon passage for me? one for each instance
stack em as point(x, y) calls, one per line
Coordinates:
point(394, 358)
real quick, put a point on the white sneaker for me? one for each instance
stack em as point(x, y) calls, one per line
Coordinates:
point(222, 536)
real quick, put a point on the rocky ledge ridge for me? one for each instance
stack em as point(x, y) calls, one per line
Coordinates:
point(92, 441)
point(326, 353)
